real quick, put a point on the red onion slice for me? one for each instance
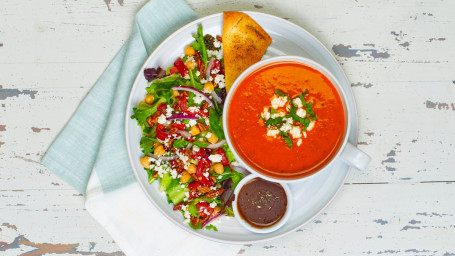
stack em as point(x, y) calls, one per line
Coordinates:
point(181, 116)
point(209, 68)
point(211, 219)
point(217, 145)
point(194, 90)
point(184, 133)
point(163, 158)
point(240, 169)
point(215, 97)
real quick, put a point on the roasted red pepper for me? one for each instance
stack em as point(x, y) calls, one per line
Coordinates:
point(216, 65)
point(224, 159)
point(173, 70)
point(162, 108)
point(161, 132)
point(178, 126)
point(183, 100)
point(183, 70)
point(204, 209)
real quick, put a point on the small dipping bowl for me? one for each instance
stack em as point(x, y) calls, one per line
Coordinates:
point(257, 228)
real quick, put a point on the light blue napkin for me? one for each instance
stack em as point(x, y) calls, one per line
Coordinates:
point(94, 136)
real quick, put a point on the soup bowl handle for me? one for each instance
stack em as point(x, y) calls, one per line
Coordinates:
point(355, 157)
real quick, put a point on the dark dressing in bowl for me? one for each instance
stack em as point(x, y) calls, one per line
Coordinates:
point(261, 203)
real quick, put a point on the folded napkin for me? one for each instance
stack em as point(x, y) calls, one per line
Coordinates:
point(90, 152)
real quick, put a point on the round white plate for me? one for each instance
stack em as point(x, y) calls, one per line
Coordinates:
point(311, 196)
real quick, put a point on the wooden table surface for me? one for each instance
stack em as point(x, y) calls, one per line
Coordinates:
point(398, 55)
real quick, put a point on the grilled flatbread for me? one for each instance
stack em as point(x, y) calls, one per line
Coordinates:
point(244, 43)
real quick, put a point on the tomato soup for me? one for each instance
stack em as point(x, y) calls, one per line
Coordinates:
point(272, 155)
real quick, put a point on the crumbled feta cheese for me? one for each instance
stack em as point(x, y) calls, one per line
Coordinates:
point(288, 120)
point(206, 174)
point(279, 101)
point(301, 112)
point(187, 76)
point(169, 111)
point(203, 80)
point(295, 132)
point(217, 44)
point(162, 119)
point(310, 126)
point(198, 73)
point(272, 132)
point(265, 114)
point(235, 164)
point(192, 122)
point(207, 121)
point(208, 135)
point(278, 114)
point(216, 158)
point(286, 127)
point(213, 204)
point(299, 142)
point(195, 148)
point(198, 99)
point(215, 71)
point(219, 79)
point(216, 54)
point(173, 173)
point(297, 102)
point(193, 109)
point(304, 134)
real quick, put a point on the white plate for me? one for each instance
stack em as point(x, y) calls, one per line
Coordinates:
point(311, 196)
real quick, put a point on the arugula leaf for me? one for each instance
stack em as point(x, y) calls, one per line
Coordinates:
point(229, 174)
point(273, 121)
point(236, 178)
point(150, 175)
point(215, 124)
point(198, 226)
point(286, 138)
point(200, 40)
point(193, 81)
point(272, 111)
point(162, 87)
point(211, 227)
point(196, 45)
point(193, 210)
point(229, 154)
point(144, 110)
point(228, 210)
point(180, 143)
point(201, 144)
point(147, 144)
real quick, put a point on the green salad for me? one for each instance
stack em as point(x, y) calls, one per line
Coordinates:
point(183, 140)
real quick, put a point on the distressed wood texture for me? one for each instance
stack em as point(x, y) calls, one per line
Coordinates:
point(398, 55)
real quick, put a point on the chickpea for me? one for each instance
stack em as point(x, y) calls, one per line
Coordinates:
point(213, 139)
point(191, 65)
point(159, 151)
point(191, 169)
point(145, 162)
point(185, 177)
point(194, 130)
point(189, 50)
point(218, 168)
point(175, 93)
point(149, 99)
point(217, 209)
point(209, 86)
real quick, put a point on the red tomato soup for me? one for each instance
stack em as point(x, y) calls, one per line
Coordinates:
point(271, 155)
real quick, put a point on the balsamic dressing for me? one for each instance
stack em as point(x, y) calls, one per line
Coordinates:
point(261, 203)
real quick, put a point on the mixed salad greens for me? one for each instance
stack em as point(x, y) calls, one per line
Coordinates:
point(183, 141)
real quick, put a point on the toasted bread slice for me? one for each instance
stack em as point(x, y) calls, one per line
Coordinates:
point(244, 43)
